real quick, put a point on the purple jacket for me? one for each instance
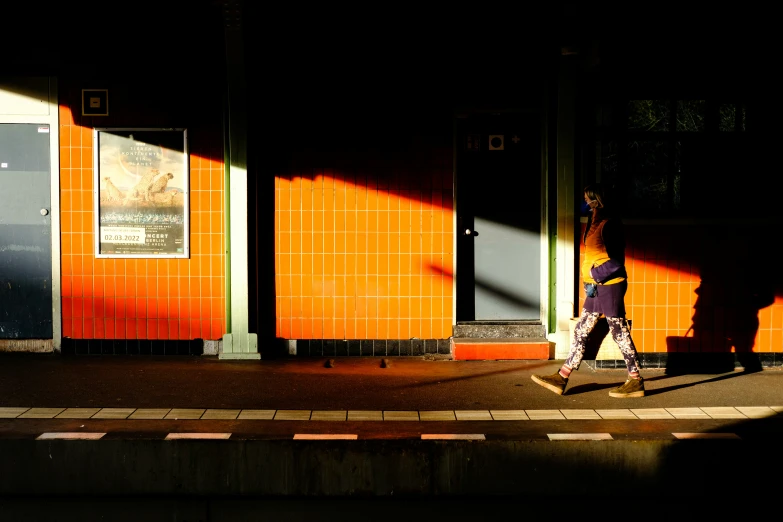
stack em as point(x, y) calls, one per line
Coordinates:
point(607, 271)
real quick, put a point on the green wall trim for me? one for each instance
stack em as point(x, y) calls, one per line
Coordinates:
point(227, 212)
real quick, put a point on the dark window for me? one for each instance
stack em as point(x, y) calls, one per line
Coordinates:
point(666, 157)
point(648, 115)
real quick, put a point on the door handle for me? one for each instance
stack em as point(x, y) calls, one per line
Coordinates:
point(44, 211)
point(469, 232)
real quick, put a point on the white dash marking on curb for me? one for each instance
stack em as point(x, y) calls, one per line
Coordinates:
point(579, 436)
point(70, 435)
point(325, 436)
point(452, 436)
point(706, 435)
point(212, 436)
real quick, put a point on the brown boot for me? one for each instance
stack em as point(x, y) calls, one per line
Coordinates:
point(555, 382)
point(631, 388)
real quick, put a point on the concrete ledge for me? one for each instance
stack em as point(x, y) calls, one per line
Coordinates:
point(379, 467)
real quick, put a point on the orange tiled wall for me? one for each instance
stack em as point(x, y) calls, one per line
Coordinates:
point(365, 252)
point(699, 275)
point(141, 298)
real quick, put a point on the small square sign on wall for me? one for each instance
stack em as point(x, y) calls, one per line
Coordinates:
point(95, 102)
point(473, 142)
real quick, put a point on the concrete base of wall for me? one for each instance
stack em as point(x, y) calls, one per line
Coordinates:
point(213, 347)
point(684, 363)
point(384, 468)
point(355, 347)
point(26, 345)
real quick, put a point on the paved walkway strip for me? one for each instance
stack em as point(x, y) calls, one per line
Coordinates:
point(184, 414)
point(401, 415)
point(220, 414)
point(545, 414)
point(616, 414)
point(364, 415)
point(437, 416)
point(354, 436)
point(580, 414)
point(77, 413)
point(257, 415)
point(11, 413)
point(41, 413)
point(150, 413)
point(723, 412)
point(297, 415)
point(329, 415)
point(707, 412)
point(508, 415)
point(757, 412)
point(114, 413)
point(687, 413)
point(652, 413)
point(473, 415)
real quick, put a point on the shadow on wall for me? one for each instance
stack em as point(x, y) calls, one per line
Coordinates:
point(738, 280)
point(405, 156)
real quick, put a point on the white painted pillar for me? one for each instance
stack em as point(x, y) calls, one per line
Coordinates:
point(238, 342)
point(567, 254)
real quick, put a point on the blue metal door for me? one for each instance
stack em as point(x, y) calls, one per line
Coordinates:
point(25, 232)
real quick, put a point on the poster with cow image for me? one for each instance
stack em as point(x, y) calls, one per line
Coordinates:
point(141, 192)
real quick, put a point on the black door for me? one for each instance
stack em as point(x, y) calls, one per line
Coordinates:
point(499, 217)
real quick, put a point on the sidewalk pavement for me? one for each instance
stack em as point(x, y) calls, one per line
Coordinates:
point(408, 383)
point(355, 426)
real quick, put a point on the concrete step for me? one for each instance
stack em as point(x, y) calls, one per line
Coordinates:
point(503, 348)
point(499, 329)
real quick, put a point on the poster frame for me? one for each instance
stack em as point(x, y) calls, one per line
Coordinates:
point(96, 135)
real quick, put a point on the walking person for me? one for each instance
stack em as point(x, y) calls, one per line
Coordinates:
point(605, 282)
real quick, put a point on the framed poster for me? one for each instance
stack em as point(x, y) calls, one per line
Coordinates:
point(141, 193)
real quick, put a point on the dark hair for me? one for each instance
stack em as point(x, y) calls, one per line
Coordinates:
point(597, 192)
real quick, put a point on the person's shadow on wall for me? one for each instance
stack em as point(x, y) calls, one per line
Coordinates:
point(735, 285)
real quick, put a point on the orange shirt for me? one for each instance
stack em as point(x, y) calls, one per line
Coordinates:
point(596, 252)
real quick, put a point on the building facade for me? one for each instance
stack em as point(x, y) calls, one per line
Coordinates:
point(366, 191)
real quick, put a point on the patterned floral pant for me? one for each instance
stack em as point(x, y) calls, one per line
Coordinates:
point(620, 333)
